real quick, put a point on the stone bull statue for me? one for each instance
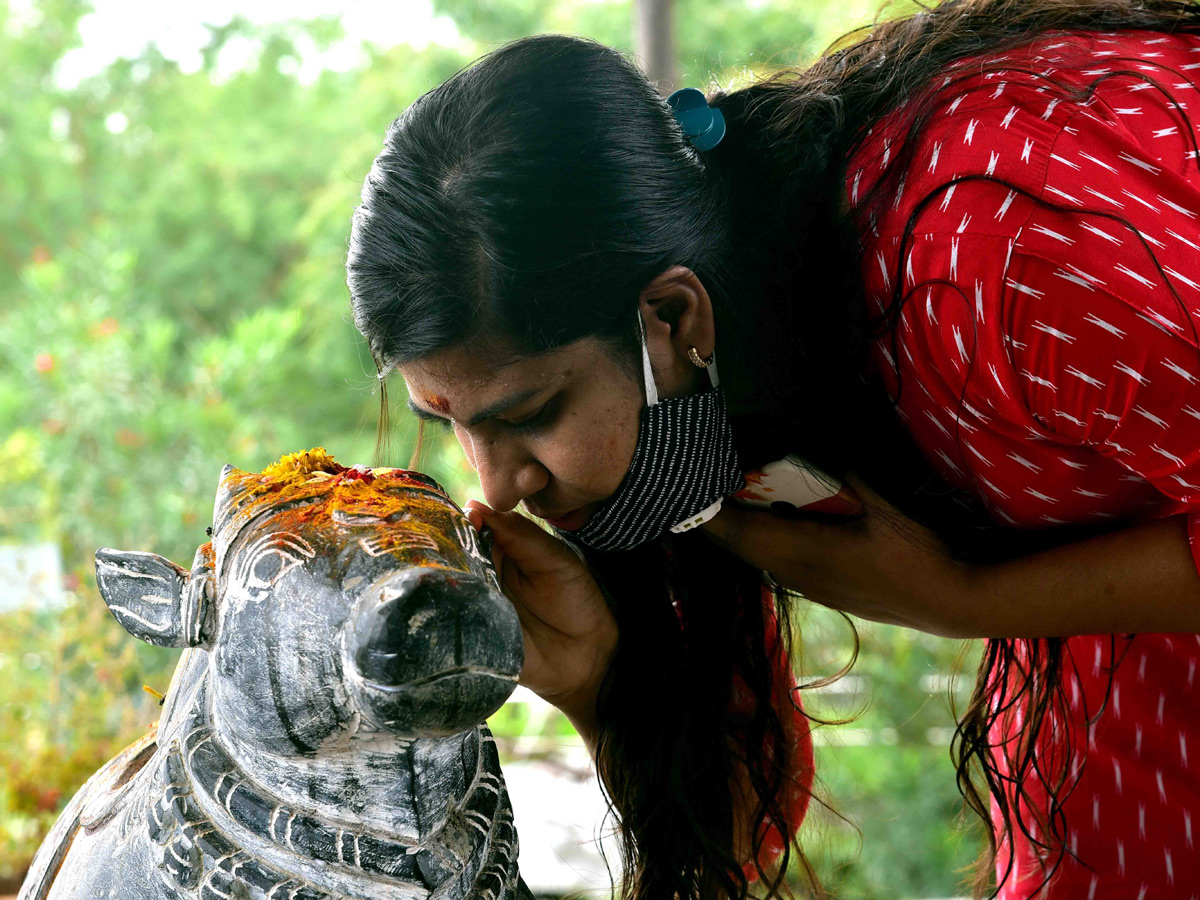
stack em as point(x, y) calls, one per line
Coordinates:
point(320, 737)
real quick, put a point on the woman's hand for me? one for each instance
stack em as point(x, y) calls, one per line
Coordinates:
point(880, 565)
point(569, 631)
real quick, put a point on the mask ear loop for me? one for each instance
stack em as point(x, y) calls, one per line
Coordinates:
point(648, 373)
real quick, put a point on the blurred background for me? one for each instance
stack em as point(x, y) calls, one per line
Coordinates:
point(177, 188)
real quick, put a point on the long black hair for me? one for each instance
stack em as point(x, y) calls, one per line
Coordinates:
point(553, 161)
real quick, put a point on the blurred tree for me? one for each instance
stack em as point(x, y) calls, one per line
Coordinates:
point(654, 38)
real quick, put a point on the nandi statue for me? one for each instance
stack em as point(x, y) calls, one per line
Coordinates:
point(320, 737)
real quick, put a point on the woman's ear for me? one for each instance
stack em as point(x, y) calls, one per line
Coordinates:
point(678, 316)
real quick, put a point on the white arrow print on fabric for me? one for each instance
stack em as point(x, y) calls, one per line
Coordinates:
point(1082, 274)
point(1166, 453)
point(1125, 270)
point(995, 490)
point(1185, 484)
point(1025, 289)
point(1193, 285)
point(1050, 233)
point(1176, 207)
point(1141, 164)
point(1180, 371)
point(950, 463)
point(1107, 199)
point(1158, 320)
point(1053, 332)
point(1132, 373)
point(1181, 238)
point(1005, 205)
point(1146, 203)
point(1112, 239)
point(978, 455)
point(1101, 164)
point(1070, 418)
point(962, 351)
point(1036, 380)
point(1064, 195)
point(1020, 460)
point(946, 199)
point(940, 427)
point(1074, 279)
point(959, 420)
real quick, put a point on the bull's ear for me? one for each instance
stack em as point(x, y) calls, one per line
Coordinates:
point(156, 600)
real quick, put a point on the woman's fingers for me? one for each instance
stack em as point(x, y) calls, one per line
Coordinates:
point(525, 545)
point(475, 511)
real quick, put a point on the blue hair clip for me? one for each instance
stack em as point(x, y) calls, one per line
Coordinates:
point(703, 125)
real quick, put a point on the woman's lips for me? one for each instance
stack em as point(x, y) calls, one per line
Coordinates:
point(570, 521)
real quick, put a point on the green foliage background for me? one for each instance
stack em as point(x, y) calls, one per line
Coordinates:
point(172, 299)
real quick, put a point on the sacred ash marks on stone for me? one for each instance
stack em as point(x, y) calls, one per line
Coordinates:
point(320, 739)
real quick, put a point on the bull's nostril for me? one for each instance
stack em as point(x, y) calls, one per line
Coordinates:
point(429, 622)
point(417, 619)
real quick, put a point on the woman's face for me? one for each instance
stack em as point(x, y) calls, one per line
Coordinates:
point(555, 431)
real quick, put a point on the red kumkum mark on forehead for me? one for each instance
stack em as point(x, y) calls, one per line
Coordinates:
point(438, 404)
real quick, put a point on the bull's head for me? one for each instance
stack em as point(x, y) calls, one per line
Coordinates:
point(334, 602)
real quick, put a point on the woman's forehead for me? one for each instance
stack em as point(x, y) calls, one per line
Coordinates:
point(460, 380)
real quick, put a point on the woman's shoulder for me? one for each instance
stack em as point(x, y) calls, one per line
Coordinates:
point(972, 151)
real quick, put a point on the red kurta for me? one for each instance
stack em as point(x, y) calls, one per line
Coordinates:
point(1049, 363)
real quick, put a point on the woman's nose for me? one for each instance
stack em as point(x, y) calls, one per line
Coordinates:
point(507, 473)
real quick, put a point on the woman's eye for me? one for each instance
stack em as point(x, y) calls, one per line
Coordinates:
point(539, 418)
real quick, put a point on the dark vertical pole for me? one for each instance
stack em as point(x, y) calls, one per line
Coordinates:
point(654, 40)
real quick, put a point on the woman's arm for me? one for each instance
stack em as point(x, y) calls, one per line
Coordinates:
point(887, 568)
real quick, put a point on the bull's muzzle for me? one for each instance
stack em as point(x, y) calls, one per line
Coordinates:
point(436, 651)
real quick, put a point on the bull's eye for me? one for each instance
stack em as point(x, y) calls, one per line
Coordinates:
point(268, 559)
point(267, 568)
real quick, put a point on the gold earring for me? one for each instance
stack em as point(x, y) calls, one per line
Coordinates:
point(699, 363)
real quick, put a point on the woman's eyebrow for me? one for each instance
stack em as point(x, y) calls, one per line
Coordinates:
point(500, 406)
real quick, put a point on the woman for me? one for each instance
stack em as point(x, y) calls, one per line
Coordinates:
point(952, 263)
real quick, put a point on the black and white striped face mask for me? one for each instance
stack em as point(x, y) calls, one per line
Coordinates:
point(683, 466)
